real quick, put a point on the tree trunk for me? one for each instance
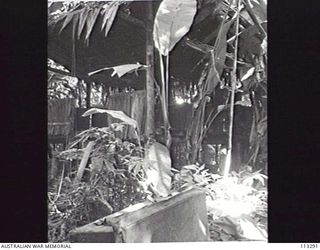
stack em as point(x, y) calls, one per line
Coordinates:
point(88, 95)
point(150, 96)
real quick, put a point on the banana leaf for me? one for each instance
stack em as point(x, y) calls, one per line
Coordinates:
point(173, 20)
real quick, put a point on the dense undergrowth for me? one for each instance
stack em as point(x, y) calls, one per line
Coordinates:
point(113, 181)
point(236, 205)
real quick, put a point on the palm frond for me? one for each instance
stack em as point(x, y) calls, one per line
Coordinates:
point(109, 15)
point(90, 22)
point(86, 14)
point(82, 20)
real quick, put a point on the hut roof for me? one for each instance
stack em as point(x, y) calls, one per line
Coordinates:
point(125, 43)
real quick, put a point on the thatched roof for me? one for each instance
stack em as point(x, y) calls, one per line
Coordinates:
point(125, 43)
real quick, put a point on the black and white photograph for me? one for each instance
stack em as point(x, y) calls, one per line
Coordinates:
point(157, 121)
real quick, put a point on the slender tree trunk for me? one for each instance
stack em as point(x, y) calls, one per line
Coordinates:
point(80, 82)
point(88, 97)
point(150, 123)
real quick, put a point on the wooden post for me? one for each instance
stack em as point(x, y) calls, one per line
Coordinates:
point(150, 96)
point(88, 93)
point(74, 60)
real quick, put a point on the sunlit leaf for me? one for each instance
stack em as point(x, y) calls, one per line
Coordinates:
point(249, 73)
point(202, 167)
point(264, 46)
point(199, 178)
point(173, 20)
point(191, 167)
point(215, 176)
point(121, 69)
point(220, 108)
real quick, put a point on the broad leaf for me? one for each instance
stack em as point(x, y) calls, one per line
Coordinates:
point(121, 69)
point(114, 113)
point(173, 20)
point(159, 171)
point(218, 58)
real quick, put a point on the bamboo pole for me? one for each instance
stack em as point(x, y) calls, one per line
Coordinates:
point(233, 87)
point(167, 79)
